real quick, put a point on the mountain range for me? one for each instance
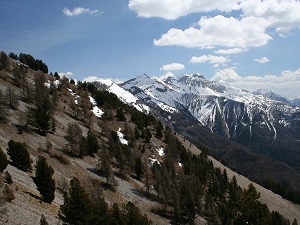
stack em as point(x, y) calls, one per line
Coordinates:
point(263, 121)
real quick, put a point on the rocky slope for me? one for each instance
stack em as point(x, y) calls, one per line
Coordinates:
point(263, 121)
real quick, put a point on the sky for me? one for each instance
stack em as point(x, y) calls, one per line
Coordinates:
point(250, 44)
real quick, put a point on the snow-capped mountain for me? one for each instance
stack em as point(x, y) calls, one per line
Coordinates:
point(255, 120)
point(295, 101)
point(122, 94)
point(271, 95)
point(250, 119)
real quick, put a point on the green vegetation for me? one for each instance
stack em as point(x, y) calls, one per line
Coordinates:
point(3, 161)
point(78, 208)
point(43, 179)
point(19, 155)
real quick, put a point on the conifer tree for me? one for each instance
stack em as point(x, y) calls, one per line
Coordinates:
point(138, 167)
point(43, 179)
point(120, 114)
point(19, 155)
point(77, 206)
point(43, 220)
point(93, 145)
point(3, 161)
point(3, 60)
point(252, 211)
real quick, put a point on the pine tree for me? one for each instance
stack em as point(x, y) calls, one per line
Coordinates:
point(252, 211)
point(43, 179)
point(43, 220)
point(159, 129)
point(3, 60)
point(77, 206)
point(3, 161)
point(93, 145)
point(19, 155)
point(295, 222)
point(120, 114)
point(138, 168)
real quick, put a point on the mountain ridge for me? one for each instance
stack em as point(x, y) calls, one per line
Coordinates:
point(257, 122)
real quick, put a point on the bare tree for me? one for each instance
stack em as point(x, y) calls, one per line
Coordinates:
point(11, 98)
point(74, 136)
point(3, 109)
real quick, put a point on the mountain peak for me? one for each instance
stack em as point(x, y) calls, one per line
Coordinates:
point(270, 94)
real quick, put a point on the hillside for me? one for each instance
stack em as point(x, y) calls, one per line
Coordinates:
point(146, 163)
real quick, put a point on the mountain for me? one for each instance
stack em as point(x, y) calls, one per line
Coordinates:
point(295, 101)
point(263, 121)
point(213, 114)
point(118, 162)
point(271, 95)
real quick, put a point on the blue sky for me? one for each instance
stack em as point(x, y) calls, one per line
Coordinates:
point(248, 43)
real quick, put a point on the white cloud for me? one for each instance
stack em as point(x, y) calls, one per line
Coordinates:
point(283, 15)
point(67, 74)
point(262, 60)
point(174, 9)
point(230, 51)
point(277, 83)
point(227, 75)
point(79, 10)
point(212, 59)
point(173, 66)
point(219, 31)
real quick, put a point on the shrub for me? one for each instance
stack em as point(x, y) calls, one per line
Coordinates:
point(8, 194)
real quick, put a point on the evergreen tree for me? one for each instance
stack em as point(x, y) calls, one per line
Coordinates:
point(93, 145)
point(138, 167)
point(42, 119)
point(8, 178)
point(19, 155)
point(77, 207)
point(3, 60)
point(13, 56)
point(252, 211)
point(159, 129)
point(3, 161)
point(43, 179)
point(43, 220)
point(120, 114)
point(295, 222)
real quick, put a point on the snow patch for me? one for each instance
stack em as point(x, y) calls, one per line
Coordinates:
point(161, 151)
point(97, 112)
point(121, 137)
point(152, 161)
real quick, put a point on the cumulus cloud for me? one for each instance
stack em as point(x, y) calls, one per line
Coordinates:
point(227, 74)
point(230, 51)
point(283, 15)
point(212, 59)
point(216, 31)
point(172, 67)
point(67, 74)
point(79, 10)
point(262, 60)
point(247, 30)
point(277, 83)
point(174, 9)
